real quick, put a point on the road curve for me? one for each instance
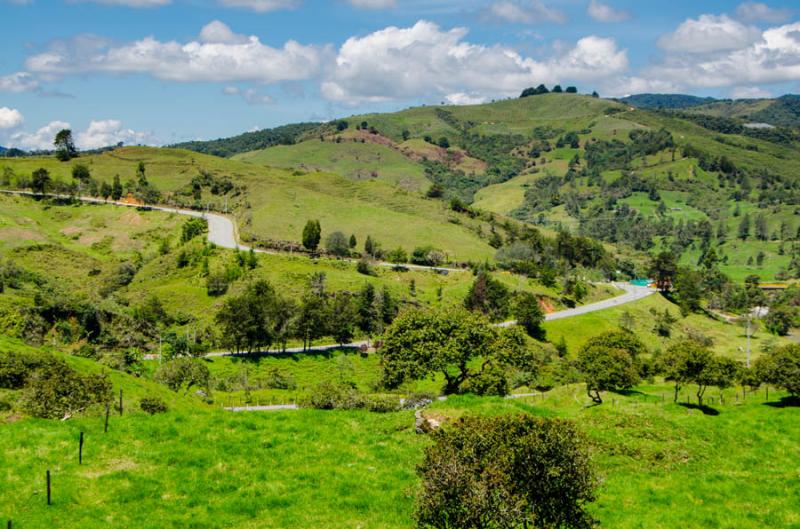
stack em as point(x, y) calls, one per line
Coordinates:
point(221, 229)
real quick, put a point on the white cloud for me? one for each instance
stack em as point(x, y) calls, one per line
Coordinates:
point(772, 58)
point(216, 32)
point(99, 133)
point(426, 61)
point(626, 86)
point(750, 92)
point(18, 82)
point(460, 98)
point(373, 4)
point(261, 6)
point(527, 12)
point(605, 13)
point(42, 139)
point(132, 3)
point(220, 55)
point(10, 118)
point(103, 133)
point(758, 12)
point(708, 34)
point(250, 95)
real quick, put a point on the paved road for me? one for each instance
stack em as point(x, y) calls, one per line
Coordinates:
point(221, 229)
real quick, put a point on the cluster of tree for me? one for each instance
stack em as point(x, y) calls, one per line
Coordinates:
point(542, 89)
point(531, 254)
point(260, 317)
point(615, 154)
point(611, 362)
point(421, 343)
point(725, 125)
point(252, 141)
point(688, 362)
point(495, 301)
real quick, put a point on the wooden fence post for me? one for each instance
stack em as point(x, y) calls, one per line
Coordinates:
point(108, 410)
point(80, 450)
point(120, 402)
point(48, 487)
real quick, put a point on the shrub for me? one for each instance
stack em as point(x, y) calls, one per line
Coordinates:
point(216, 284)
point(153, 405)
point(512, 471)
point(364, 267)
point(328, 395)
point(278, 379)
point(381, 403)
point(183, 374)
point(16, 368)
point(56, 391)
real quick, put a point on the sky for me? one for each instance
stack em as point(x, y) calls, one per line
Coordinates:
point(163, 71)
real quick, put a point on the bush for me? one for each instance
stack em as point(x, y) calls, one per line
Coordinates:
point(153, 405)
point(216, 284)
point(16, 368)
point(381, 403)
point(505, 471)
point(278, 379)
point(328, 395)
point(364, 267)
point(56, 391)
point(491, 381)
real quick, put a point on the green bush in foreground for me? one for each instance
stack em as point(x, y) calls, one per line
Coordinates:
point(506, 472)
point(153, 405)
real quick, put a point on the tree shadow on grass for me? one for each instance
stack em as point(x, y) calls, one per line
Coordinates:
point(785, 402)
point(707, 410)
point(629, 393)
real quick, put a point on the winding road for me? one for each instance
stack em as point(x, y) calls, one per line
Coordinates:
point(222, 233)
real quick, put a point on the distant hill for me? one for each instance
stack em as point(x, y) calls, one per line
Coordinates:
point(666, 101)
point(250, 141)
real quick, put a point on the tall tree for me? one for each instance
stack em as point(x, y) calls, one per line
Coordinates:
point(40, 181)
point(116, 188)
point(65, 146)
point(489, 296)
point(663, 269)
point(744, 227)
point(312, 233)
point(611, 361)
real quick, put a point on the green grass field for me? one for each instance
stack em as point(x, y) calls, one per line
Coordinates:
point(279, 202)
point(662, 465)
point(357, 161)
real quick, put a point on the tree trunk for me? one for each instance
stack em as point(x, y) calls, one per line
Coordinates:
point(677, 390)
point(594, 395)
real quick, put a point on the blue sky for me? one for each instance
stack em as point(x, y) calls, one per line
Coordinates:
point(161, 71)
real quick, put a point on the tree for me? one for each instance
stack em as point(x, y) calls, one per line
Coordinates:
point(105, 190)
point(688, 362)
point(141, 175)
point(116, 189)
point(40, 181)
point(689, 290)
point(398, 256)
point(529, 314)
point(506, 472)
point(247, 322)
point(663, 269)
point(557, 89)
point(571, 90)
point(444, 143)
point(342, 318)
point(337, 244)
point(369, 246)
point(310, 321)
point(420, 343)
point(65, 146)
point(781, 368)
point(182, 374)
point(489, 296)
point(762, 228)
point(352, 242)
point(780, 319)
point(610, 362)
point(81, 173)
point(312, 233)
point(744, 227)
